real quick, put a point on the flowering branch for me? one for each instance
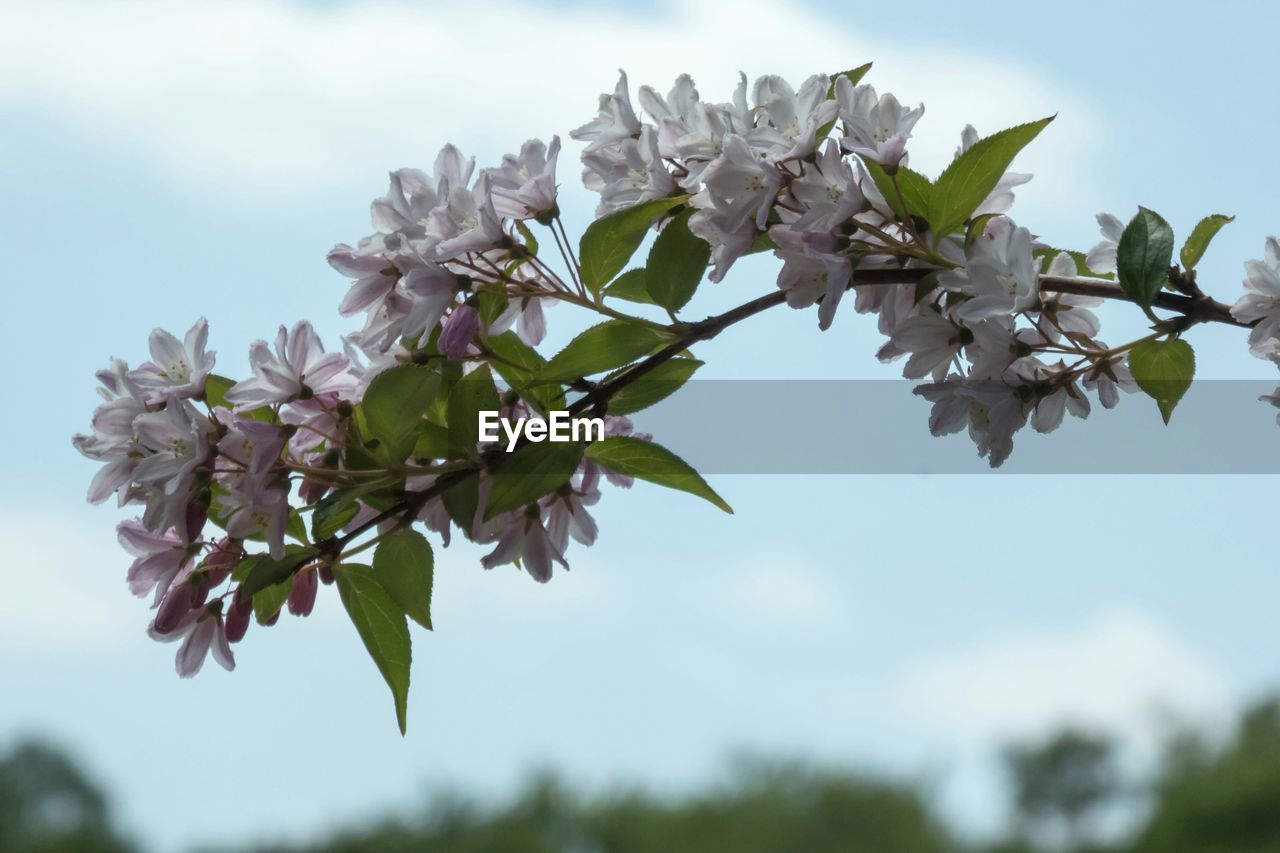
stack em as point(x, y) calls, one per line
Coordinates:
point(268, 487)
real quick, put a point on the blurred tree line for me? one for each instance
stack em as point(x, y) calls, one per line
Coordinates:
point(1206, 796)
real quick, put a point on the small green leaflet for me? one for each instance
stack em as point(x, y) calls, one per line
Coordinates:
point(631, 287)
point(855, 76)
point(602, 347)
point(382, 626)
point(1143, 256)
point(972, 176)
point(1201, 236)
point(1163, 369)
point(532, 471)
point(653, 462)
point(267, 602)
point(609, 242)
point(676, 263)
point(404, 564)
point(267, 571)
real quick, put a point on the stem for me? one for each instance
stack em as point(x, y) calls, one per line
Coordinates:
point(1199, 309)
point(1196, 309)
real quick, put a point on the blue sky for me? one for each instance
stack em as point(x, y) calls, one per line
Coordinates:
point(167, 161)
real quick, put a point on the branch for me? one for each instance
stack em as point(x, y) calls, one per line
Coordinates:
point(1195, 308)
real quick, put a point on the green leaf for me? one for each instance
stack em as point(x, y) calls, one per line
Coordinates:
point(855, 76)
point(656, 385)
point(762, 243)
point(332, 513)
point(295, 527)
point(394, 405)
point(1144, 255)
point(531, 472)
point(403, 564)
point(606, 346)
point(267, 602)
point(1201, 236)
point(917, 190)
point(676, 263)
point(472, 394)
point(382, 626)
point(653, 462)
point(631, 287)
point(530, 241)
point(432, 442)
point(518, 364)
point(1164, 369)
point(972, 176)
point(461, 500)
point(267, 571)
point(610, 241)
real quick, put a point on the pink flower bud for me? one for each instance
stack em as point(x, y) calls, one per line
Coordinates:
point(238, 616)
point(459, 331)
point(302, 598)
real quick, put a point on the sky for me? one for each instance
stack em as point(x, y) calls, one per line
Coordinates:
point(165, 161)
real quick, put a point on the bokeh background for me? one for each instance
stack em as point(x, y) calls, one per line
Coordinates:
point(770, 672)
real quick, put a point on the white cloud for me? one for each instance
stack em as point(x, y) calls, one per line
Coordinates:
point(64, 586)
point(780, 591)
point(263, 98)
point(1125, 674)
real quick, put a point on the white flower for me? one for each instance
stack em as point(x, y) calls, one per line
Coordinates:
point(565, 514)
point(791, 119)
point(113, 441)
point(203, 632)
point(615, 121)
point(413, 194)
point(1102, 257)
point(999, 276)
point(933, 341)
point(828, 190)
point(466, 223)
point(1261, 302)
point(1062, 397)
point(522, 539)
point(992, 412)
point(876, 129)
point(524, 187)
point(160, 558)
point(741, 185)
point(177, 368)
point(298, 368)
point(809, 275)
point(727, 245)
point(176, 440)
point(628, 173)
point(1108, 378)
point(1067, 312)
point(249, 510)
